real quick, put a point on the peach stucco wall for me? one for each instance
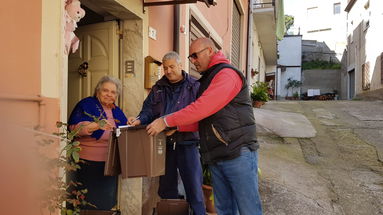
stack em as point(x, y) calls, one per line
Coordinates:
point(21, 106)
point(20, 55)
point(220, 17)
point(161, 18)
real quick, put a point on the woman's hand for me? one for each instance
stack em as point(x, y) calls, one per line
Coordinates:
point(91, 127)
point(103, 125)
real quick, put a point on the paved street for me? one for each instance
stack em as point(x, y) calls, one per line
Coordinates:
point(321, 157)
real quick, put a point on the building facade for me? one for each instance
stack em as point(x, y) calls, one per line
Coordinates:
point(363, 73)
point(289, 64)
point(125, 39)
point(324, 21)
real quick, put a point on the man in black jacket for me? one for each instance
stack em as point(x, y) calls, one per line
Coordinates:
point(174, 91)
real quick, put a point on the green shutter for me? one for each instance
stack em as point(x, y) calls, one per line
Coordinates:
point(280, 31)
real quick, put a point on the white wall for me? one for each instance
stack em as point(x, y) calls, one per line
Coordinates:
point(290, 51)
point(293, 73)
point(257, 60)
point(290, 57)
point(318, 15)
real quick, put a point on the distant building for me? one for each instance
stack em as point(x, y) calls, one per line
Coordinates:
point(364, 70)
point(324, 21)
point(289, 64)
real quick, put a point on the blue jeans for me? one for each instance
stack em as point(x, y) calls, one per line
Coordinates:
point(235, 185)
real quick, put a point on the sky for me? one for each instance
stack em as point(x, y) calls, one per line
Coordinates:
point(296, 9)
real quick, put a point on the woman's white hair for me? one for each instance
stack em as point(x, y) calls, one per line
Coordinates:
point(110, 79)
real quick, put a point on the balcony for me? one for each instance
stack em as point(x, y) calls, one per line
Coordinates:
point(262, 5)
point(265, 24)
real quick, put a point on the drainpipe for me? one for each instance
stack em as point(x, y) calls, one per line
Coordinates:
point(248, 42)
point(176, 28)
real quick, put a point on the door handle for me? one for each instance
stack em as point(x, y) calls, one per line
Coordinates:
point(83, 69)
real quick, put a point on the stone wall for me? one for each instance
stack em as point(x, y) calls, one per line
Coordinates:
point(325, 80)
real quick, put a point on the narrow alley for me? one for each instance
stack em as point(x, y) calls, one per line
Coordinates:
point(323, 157)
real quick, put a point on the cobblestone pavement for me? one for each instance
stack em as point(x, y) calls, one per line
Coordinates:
point(338, 170)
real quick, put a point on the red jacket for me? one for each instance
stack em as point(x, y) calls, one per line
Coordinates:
point(223, 88)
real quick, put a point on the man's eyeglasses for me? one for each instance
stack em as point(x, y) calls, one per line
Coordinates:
point(195, 54)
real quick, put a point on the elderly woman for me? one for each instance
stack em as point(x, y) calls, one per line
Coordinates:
point(94, 141)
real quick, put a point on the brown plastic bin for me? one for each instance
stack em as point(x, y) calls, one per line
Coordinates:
point(141, 155)
point(173, 207)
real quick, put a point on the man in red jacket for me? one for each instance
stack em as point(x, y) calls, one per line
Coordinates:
point(226, 124)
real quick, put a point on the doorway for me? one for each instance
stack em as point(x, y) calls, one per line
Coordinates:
point(98, 52)
point(351, 84)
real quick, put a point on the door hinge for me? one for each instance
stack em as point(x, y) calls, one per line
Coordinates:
point(120, 33)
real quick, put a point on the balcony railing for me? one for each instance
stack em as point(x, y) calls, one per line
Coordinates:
point(263, 4)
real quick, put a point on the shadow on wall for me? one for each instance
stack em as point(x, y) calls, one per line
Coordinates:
point(343, 76)
point(356, 60)
point(377, 73)
point(376, 90)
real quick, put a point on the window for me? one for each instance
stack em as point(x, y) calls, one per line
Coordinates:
point(196, 31)
point(336, 8)
point(236, 37)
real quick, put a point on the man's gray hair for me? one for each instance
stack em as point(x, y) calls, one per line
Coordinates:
point(171, 55)
point(110, 79)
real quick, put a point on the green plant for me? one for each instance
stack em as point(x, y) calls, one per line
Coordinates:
point(206, 180)
point(289, 21)
point(319, 64)
point(206, 175)
point(293, 84)
point(296, 95)
point(260, 92)
point(56, 190)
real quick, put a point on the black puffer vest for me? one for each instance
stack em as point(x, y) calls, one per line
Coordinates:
point(223, 134)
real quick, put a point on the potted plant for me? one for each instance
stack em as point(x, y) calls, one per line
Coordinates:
point(293, 84)
point(208, 189)
point(259, 94)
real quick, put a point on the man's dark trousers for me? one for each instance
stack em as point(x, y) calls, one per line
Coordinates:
point(186, 158)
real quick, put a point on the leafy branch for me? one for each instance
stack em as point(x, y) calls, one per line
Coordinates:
point(55, 190)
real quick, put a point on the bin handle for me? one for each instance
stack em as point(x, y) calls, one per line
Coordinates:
point(118, 132)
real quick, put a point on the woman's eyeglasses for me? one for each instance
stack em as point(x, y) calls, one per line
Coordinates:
point(195, 54)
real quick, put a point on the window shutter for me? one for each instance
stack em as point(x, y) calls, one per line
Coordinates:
point(236, 37)
point(197, 31)
point(366, 76)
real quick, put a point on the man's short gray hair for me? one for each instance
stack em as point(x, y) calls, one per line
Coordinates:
point(171, 55)
point(110, 79)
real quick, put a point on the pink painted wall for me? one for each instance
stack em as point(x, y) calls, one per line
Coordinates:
point(20, 55)
point(20, 105)
point(220, 17)
point(161, 18)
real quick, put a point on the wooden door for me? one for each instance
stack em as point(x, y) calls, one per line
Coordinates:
point(99, 48)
